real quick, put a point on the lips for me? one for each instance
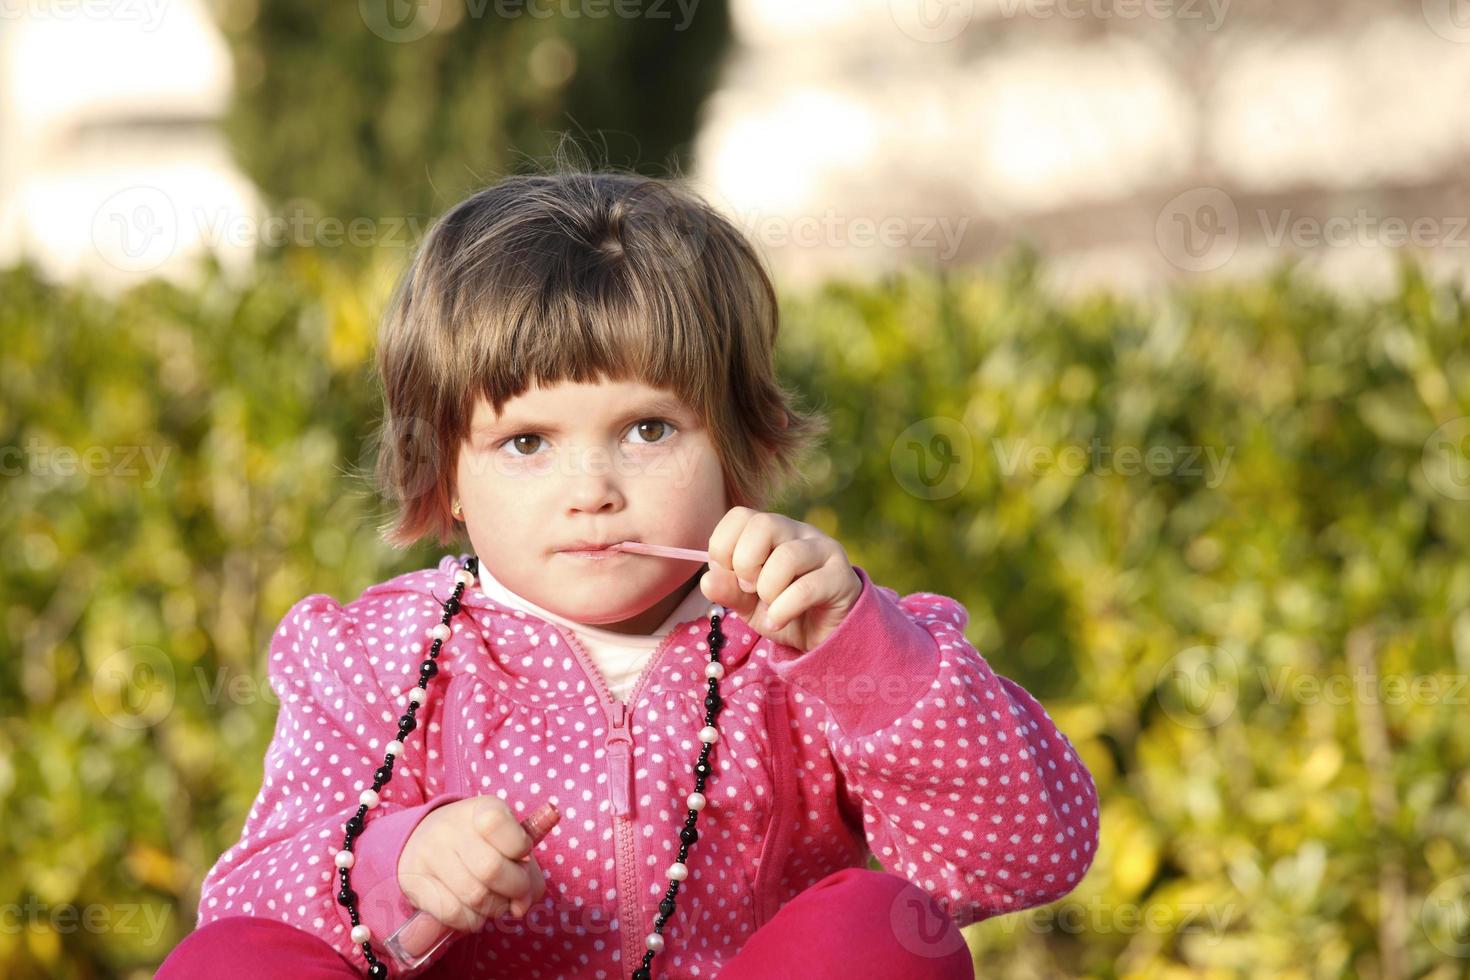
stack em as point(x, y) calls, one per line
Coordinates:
point(593, 545)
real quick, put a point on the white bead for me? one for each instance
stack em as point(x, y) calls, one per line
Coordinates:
point(714, 669)
point(708, 734)
point(678, 871)
point(370, 797)
point(463, 577)
point(716, 610)
point(394, 747)
point(361, 934)
point(345, 859)
point(439, 631)
point(417, 695)
point(655, 942)
point(696, 801)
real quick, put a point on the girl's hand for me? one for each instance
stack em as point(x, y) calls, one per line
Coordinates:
point(803, 584)
point(469, 861)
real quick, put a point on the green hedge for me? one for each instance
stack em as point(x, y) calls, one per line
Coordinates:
point(1194, 528)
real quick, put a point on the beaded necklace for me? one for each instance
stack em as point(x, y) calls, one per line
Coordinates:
point(677, 872)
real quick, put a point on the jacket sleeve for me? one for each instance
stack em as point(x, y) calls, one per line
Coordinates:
point(964, 784)
point(332, 728)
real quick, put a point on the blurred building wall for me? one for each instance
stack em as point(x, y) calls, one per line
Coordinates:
point(112, 166)
point(1137, 141)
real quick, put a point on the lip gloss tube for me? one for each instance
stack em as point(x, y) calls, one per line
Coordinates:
point(421, 934)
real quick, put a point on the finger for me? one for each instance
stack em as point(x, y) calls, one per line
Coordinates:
point(811, 589)
point(446, 908)
point(722, 539)
point(467, 886)
point(497, 826)
point(520, 906)
point(719, 585)
point(496, 871)
point(788, 562)
point(761, 535)
point(482, 899)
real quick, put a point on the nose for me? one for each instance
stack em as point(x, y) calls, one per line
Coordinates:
point(594, 486)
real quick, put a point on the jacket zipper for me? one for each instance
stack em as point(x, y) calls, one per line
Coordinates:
point(619, 756)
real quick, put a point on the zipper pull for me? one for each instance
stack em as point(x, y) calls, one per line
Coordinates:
point(620, 762)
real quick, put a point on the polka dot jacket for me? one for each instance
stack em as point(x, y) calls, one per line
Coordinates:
point(893, 737)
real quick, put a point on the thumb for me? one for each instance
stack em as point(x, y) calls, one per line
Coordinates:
point(483, 819)
point(720, 585)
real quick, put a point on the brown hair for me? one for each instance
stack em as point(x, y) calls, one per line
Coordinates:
point(583, 276)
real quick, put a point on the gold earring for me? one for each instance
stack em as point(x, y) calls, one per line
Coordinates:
point(456, 510)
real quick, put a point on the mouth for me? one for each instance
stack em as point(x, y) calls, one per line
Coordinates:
point(593, 550)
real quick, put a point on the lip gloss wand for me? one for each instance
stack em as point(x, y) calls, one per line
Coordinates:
point(660, 550)
point(421, 934)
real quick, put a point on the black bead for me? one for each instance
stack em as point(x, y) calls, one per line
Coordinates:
point(702, 768)
point(712, 701)
point(428, 669)
point(688, 835)
point(378, 971)
point(384, 773)
point(406, 724)
point(450, 608)
point(666, 907)
point(346, 896)
point(354, 826)
point(641, 973)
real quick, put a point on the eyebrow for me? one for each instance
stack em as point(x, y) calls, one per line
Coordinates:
point(657, 406)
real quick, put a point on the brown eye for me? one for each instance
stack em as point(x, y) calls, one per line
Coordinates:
point(515, 441)
point(659, 427)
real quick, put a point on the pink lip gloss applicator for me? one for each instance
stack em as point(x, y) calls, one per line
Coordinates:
point(660, 550)
point(669, 551)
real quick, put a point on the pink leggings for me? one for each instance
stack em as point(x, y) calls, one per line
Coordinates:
point(854, 923)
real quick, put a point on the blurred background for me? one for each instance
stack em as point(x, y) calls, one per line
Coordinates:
point(1165, 300)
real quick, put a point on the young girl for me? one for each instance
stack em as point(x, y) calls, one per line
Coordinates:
point(574, 360)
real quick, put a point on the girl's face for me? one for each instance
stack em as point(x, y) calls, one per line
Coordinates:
point(574, 463)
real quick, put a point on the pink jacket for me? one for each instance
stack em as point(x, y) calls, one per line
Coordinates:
point(894, 737)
